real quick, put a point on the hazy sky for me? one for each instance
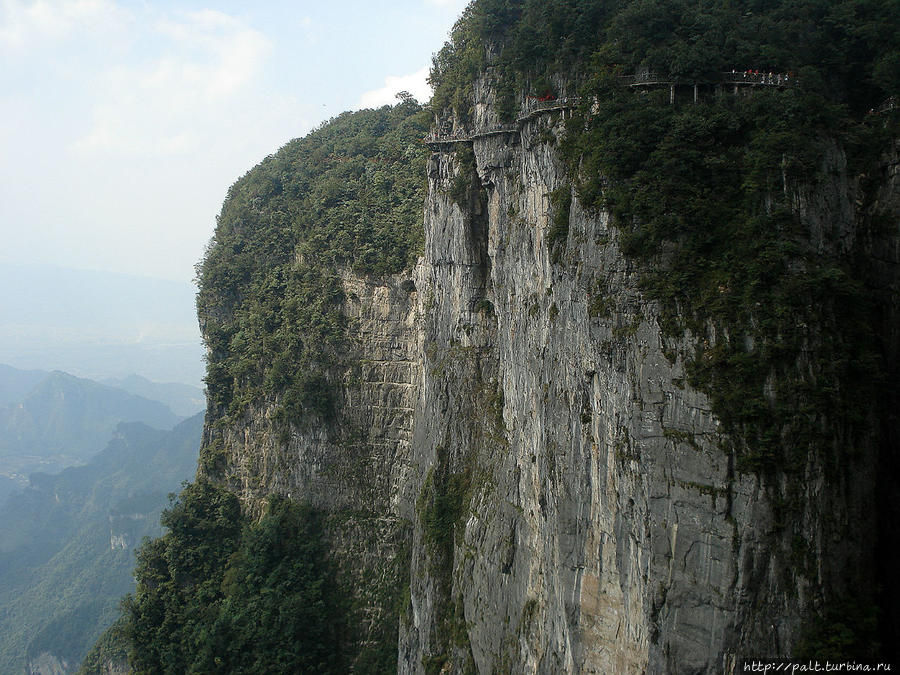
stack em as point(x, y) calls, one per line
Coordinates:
point(122, 124)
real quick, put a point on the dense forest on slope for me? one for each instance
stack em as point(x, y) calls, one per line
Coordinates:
point(67, 542)
point(348, 195)
point(706, 195)
point(707, 198)
point(219, 594)
point(848, 49)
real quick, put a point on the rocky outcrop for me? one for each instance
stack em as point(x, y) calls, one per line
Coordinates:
point(124, 529)
point(517, 472)
point(352, 467)
point(46, 663)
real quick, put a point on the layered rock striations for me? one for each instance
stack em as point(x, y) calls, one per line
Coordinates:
point(353, 467)
point(602, 525)
point(516, 472)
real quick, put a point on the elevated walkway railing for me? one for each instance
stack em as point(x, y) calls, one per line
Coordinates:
point(528, 111)
point(754, 78)
point(533, 108)
point(646, 79)
point(739, 77)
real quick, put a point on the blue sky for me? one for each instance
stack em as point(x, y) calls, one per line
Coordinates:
point(122, 124)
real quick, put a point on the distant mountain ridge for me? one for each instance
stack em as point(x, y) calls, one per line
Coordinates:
point(66, 542)
point(73, 416)
point(52, 420)
point(16, 384)
point(183, 399)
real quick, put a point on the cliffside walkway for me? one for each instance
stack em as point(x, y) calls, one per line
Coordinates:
point(528, 112)
point(735, 80)
point(742, 78)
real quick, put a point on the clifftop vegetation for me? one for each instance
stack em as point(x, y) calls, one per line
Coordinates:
point(707, 196)
point(217, 594)
point(847, 48)
point(349, 194)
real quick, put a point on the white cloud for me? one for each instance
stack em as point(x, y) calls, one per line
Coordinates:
point(235, 51)
point(23, 23)
point(415, 83)
point(159, 106)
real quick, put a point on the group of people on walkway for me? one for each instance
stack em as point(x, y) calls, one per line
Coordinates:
point(761, 77)
point(749, 76)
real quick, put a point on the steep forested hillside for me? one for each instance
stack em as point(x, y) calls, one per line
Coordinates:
point(217, 591)
point(846, 50)
point(650, 400)
point(218, 594)
point(67, 542)
point(347, 196)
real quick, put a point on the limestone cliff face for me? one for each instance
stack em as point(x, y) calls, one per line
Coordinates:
point(517, 463)
point(353, 467)
point(47, 664)
point(600, 533)
point(603, 527)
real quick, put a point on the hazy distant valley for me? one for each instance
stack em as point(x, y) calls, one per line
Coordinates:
point(52, 420)
point(85, 469)
point(100, 419)
point(99, 324)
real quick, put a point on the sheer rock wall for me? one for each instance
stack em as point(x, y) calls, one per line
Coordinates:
point(514, 439)
point(605, 528)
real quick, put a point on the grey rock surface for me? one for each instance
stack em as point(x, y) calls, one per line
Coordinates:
point(606, 528)
point(515, 441)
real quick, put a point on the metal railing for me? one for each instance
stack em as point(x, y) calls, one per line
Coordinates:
point(647, 77)
point(534, 106)
point(434, 139)
point(527, 111)
point(756, 78)
point(749, 77)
